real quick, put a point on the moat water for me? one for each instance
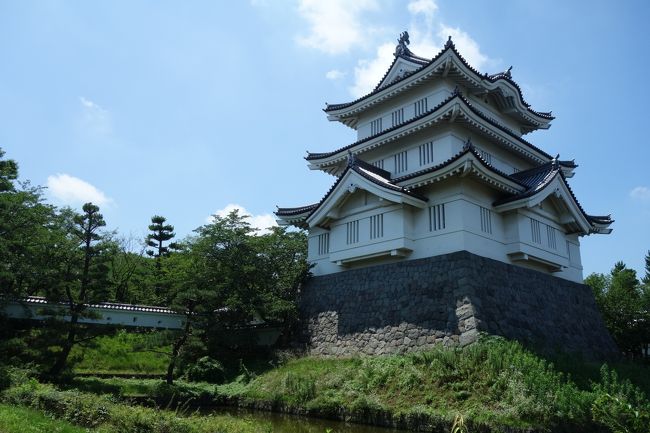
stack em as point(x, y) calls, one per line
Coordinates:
point(284, 423)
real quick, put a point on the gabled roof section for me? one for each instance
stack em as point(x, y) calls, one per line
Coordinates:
point(467, 162)
point(548, 179)
point(358, 174)
point(506, 91)
point(482, 122)
point(404, 64)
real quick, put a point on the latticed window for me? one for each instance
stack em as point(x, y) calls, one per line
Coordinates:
point(323, 244)
point(352, 230)
point(377, 226)
point(397, 116)
point(535, 230)
point(426, 153)
point(420, 106)
point(401, 163)
point(486, 220)
point(550, 233)
point(437, 217)
point(379, 163)
point(375, 126)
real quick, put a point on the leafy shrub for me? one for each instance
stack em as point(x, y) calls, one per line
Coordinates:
point(299, 388)
point(206, 369)
point(619, 405)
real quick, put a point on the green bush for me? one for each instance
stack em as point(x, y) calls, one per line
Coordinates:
point(206, 369)
point(619, 405)
point(299, 388)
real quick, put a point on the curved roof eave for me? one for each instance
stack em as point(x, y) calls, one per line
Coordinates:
point(339, 110)
point(539, 153)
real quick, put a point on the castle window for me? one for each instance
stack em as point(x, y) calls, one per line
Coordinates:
point(535, 230)
point(379, 163)
point(420, 106)
point(550, 232)
point(426, 153)
point(437, 217)
point(568, 250)
point(352, 230)
point(377, 226)
point(401, 164)
point(397, 116)
point(486, 220)
point(323, 244)
point(375, 126)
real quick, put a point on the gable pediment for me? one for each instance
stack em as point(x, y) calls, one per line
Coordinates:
point(352, 190)
point(400, 68)
point(557, 194)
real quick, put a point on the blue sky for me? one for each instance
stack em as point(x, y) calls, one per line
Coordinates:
point(185, 109)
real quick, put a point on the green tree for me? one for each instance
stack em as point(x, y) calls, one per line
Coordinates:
point(620, 299)
point(160, 233)
point(84, 280)
point(228, 276)
point(27, 231)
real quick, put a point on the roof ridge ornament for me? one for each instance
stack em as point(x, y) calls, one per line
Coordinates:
point(556, 162)
point(468, 144)
point(449, 43)
point(401, 49)
point(456, 92)
point(508, 72)
point(351, 159)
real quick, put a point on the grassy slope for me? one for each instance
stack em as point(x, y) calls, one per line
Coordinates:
point(494, 383)
point(101, 414)
point(125, 352)
point(14, 419)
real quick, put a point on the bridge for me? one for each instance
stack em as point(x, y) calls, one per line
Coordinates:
point(104, 313)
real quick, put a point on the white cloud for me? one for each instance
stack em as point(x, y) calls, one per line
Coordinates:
point(641, 193)
point(427, 35)
point(95, 119)
point(335, 74)
point(425, 7)
point(261, 222)
point(368, 73)
point(465, 45)
point(336, 26)
point(72, 191)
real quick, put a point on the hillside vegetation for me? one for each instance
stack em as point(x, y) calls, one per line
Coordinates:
point(494, 385)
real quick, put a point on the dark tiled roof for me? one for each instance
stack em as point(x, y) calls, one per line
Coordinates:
point(314, 156)
point(363, 169)
point(409, 57)
point(289, 211)
point(538, 178)
point(469, 148)
point(602, 219)
point(103, 305)
point(448, 46)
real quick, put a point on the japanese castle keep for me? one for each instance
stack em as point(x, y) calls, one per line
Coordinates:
point(444, 221)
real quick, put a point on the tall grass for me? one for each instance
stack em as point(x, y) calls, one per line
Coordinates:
point(125, 352)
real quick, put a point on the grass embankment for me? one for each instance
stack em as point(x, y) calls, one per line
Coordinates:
point(31, 403)
point(125, 353)
point(15, 419)
point(494, 384)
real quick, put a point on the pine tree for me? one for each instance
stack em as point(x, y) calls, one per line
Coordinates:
point(161, 233)
point(85, 281)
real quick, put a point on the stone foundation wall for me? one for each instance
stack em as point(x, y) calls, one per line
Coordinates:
point(449, 299)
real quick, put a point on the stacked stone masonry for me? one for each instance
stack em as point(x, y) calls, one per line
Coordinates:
point(449, 300)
